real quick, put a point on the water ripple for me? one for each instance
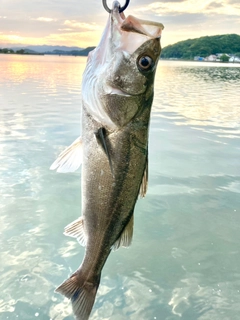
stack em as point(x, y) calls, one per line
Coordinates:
point(184, 260)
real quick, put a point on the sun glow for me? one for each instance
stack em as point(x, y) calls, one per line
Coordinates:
point(82, 39)
point(183, 19)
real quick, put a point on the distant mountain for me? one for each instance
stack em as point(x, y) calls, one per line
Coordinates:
point(52, 50)
point(44, 48)
point(30, 51)
point(82, 52)
point(203, 46)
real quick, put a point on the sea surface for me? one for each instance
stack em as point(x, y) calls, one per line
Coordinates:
point(184, 262)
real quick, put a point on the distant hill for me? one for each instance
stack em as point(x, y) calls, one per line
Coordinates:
point(85, 52)
point(53, 50)
point(47, 49)
point(43, 48)
point(30, 51)
point(82, 52)
point(204, 46)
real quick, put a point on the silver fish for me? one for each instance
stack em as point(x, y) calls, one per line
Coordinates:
point(117, 94)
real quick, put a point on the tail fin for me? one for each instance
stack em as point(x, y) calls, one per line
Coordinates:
point(82, 294)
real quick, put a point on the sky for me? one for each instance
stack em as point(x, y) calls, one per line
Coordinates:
point(81, 22)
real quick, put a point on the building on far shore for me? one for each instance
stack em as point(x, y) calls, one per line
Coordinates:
point(198, 58)
point(212, 57)
point(234, 59)
point(218, 57)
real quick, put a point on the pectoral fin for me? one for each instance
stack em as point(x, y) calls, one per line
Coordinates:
point(125, 238)
point(76, 230)
point(101, 139)
point(70, 159)
point(143, 187)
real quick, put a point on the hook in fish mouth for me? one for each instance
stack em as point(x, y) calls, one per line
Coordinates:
point(115, 4)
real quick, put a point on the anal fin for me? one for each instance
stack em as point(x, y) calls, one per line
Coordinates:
point(76, 230)
point(125, 238)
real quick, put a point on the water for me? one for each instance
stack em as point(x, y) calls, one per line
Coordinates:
point(184, 262)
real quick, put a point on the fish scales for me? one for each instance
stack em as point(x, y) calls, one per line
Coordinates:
point(117, 94)
point(116, 195)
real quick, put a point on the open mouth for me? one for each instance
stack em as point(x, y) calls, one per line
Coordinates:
point(128, 34)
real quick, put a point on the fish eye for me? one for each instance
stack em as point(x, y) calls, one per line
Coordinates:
point(145, 63)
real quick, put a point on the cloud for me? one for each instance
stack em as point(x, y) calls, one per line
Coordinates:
point(65, 29)
point(29, 27)
point(88, 38)
point(194, 19)
point(214, 5)
point(189, 7)
point(82, 25)
point(148, 2)
point(234, 2)
point(73, 22)
point(62, 37)
point(37, 20)
point(56, 9)
point(43, 19)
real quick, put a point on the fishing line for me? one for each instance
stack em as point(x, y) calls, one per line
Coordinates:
point(121, 9)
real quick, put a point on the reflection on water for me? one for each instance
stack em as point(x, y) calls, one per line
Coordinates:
point(200, 94)
point(229, 73)
point(184, 260)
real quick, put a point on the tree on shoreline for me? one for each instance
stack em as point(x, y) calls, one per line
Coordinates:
point(224, 58)
point(203, 46)
point(21, 51)
point(6, 50)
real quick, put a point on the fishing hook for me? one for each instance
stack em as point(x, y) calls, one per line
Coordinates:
point(121, 9)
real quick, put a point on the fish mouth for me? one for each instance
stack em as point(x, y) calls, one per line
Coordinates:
point(123, 34)
point(128, 34)
point(150, 29)
point(116, 91)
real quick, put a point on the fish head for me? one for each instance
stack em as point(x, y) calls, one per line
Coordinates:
point(121, 69)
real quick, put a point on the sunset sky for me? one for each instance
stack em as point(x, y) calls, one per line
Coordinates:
point(81, 22)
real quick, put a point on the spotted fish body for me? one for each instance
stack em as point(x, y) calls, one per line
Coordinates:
point(117, 95)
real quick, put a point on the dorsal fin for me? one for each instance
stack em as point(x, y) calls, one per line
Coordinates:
point(101, 139)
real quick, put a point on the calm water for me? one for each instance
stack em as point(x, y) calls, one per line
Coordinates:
point(184, 262)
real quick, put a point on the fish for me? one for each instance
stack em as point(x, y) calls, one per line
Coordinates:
point(117, 95)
